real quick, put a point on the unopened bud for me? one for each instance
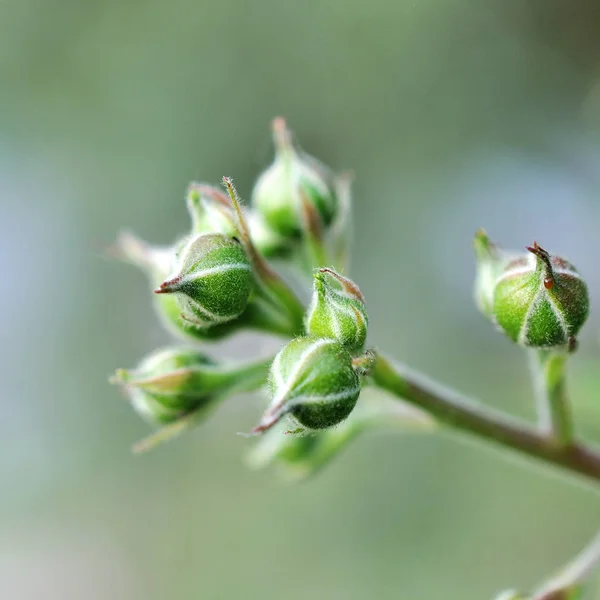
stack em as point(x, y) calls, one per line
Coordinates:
point(337, 310)
point(169, 384)
point(540, 300)
point(313, 381)
point(292, 179)
point(212, 281)
point(268, 242)
point(210, 210)
point(172, 383)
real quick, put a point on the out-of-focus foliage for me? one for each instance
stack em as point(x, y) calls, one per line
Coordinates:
point(453, 115)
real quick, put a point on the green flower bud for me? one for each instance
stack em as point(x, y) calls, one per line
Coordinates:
point(313, 381)
point(213, 280)
point(337, 311)
point(210, 210)
point(540, 300)
point(175, 388)
point(490, 261)
point(293, 178)
point(170, 384)
point(269, 243)
point(157, 263)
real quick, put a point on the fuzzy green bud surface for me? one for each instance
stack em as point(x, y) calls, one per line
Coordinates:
point(313, 381)
point(337, 310)
point(292, 179)
point(540, 300)
point(212, 282)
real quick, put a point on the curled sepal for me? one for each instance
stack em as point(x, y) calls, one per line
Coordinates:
point(337, 310)
point(297, 456)
point(490, 260)
point(212, 280)
point(177, 387)
point(210, 210)
point(313, 381)
point(540, 300)
point(293, 179)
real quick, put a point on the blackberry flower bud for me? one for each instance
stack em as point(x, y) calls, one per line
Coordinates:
point(213, 280)
point(292, 179)
point(337, 311)
point(313, 381)
point(540, 300)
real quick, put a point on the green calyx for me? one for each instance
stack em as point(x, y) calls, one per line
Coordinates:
point(540, 300)
point(337, 311)
point(292, 179)
point(212, 281)
point(314, 382)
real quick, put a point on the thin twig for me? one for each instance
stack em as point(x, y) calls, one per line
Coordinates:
point(465, 415)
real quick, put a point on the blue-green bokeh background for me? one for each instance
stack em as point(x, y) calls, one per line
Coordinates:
point(453, 114)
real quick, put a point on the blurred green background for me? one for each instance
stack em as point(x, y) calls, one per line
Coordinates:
point(453, 114)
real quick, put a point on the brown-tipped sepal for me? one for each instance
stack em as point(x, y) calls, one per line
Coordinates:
point(313, 381)
point(293, 178)
point(541, 301)
point(212, 281)
point(337, 311)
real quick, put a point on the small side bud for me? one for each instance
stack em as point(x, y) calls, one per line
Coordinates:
point(210, 210)
point(169, 384)
point(292, 178)
point(337, 311)
point(176, 388)
point(298, 456)
point(212, 281)
point(541, 301)
point(268, 242)
point(313, 381)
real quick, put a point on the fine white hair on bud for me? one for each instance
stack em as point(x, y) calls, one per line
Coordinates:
point(212, 280)
point(314, 382)
point(337, 310)
point(293, 179)
point(540, 300)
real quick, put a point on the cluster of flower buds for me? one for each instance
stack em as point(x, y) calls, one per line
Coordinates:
point(215, 281)
point(315, 379)
point(537, 299)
